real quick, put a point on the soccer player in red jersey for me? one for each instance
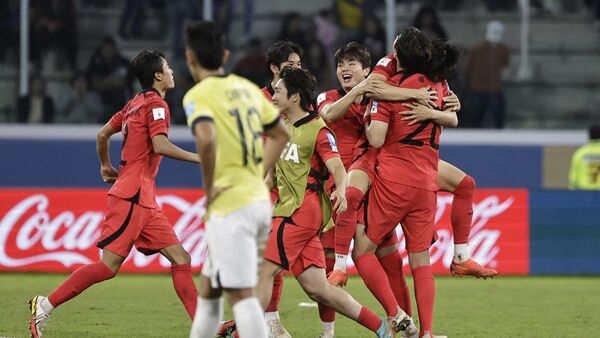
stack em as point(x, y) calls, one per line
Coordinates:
point(450, 178)
point(304, 207)
point(133, 217)
point(281, 54)
point(404, 189)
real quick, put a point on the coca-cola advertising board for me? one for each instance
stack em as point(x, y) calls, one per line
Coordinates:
point(57, 230)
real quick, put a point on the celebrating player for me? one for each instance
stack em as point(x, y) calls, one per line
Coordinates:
point(228, 116)
point(133, 217)
point(404, 188)
point(303, 207)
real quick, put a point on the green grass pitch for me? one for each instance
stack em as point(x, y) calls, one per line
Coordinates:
point(147, 306)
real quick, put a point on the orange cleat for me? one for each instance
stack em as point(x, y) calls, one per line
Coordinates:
point(471, 268)
point(227, 330)
point(337, 278)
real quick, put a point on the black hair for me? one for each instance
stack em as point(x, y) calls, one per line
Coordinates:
point(594, 132)
point(444, 60)
point(145, 65)
point(280, 52)
point(414, 50)
point(207, 42)
point(354, 51)
point(301, 82)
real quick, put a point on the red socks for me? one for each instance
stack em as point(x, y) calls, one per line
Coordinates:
point(377, 282)
point(462, 210)
point(425, 294)
point(345, 225)
point(326, 313)
point(183, 281)
point(392, 264)
point(368, 319)
point(276, 294)
point(79, 280)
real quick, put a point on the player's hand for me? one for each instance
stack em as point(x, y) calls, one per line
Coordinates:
point(214, 192)
point(427, 97)
point(418, 113)
point(339, 201)
point(362, 87)
point(451, 102)
point(108, 174)
point(374, 87)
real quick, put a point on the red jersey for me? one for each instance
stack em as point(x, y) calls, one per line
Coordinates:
point(348, 129)
point(325, 149)
point(142, 118)
point(268, 91)
point(386, 66)
point(410, 154)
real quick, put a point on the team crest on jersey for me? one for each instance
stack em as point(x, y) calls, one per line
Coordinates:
point(321, 98)
point(374, 107)
point(158, 113)
point(384, 61)
point(332, 143)
point(189, 109)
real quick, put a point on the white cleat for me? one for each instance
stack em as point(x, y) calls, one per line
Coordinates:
point(276, 329)
point(411, 331)
point(403, 324)
point(327, 334)
point(38, 317)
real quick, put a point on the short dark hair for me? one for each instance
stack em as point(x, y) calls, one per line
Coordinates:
point(594, 132)
point(145, 65)
point(206, 40)
point(299, 81)
point(414, 50)
point(444, 60)
point(280, 52)
point(354, 51)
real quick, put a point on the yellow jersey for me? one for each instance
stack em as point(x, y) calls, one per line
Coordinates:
point(240, 113)
point(585, 167)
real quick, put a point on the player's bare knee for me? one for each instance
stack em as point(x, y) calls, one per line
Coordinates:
point(416, 259)
point(236, 295)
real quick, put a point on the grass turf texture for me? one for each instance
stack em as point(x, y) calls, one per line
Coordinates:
point(147, 306)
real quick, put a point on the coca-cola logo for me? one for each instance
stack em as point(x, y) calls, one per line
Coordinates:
point(65, 237)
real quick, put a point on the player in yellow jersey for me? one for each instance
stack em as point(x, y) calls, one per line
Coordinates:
point(585, 164)
point(228, 116)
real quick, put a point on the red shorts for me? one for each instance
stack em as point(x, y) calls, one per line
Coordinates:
point(127, 224)
point(328, 239)
point(364, 160)
point(274, 195)
point(389, 204)
point(294, 241)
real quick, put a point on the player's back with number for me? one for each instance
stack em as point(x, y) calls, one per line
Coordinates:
point(411, 149)
point(240, 113)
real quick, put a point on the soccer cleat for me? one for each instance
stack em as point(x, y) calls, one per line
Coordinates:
point(403, 324)
point(411, 331)
point(471, 268)
point(384, 330)
point(337, 278)
point(38, 317)
point(428, 334)
point(276, 329)
point(227, 330)
point(327, 334)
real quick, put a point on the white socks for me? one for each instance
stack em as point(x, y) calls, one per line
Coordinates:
point(46, 306)
point(271, 316)
point(340, 262)
point(208, 317)
point(328, 326)
point(461, 253)
point(249, 318)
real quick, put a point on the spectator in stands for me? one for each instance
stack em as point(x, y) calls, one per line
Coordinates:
point(9, 28)
point(53, 26)
point(350, 15)
point(37, 107)
point(180, 13)
point(585, 163)
point(133, 18)
point(252, 65)
point(484, 68)
point(292, 29)
point(108, 73)
point(372, 36)
point(428, 21)
point(223, 14)
point(326, 31)
point(315, 60)
point(82, 105)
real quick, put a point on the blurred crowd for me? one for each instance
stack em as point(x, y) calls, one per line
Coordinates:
point(100, 88)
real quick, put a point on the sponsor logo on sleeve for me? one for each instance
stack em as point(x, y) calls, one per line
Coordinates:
point(158, 113)
point(374, 107)
point(321, 98)
point(332, 143)
point(384, 61)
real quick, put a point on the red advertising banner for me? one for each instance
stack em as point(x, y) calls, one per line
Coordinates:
point(57, 230)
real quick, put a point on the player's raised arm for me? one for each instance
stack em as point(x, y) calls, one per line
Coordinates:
point(107, 172)
point(419, 113)
point(380, 90)
point(377, 124)
point(162, 146)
